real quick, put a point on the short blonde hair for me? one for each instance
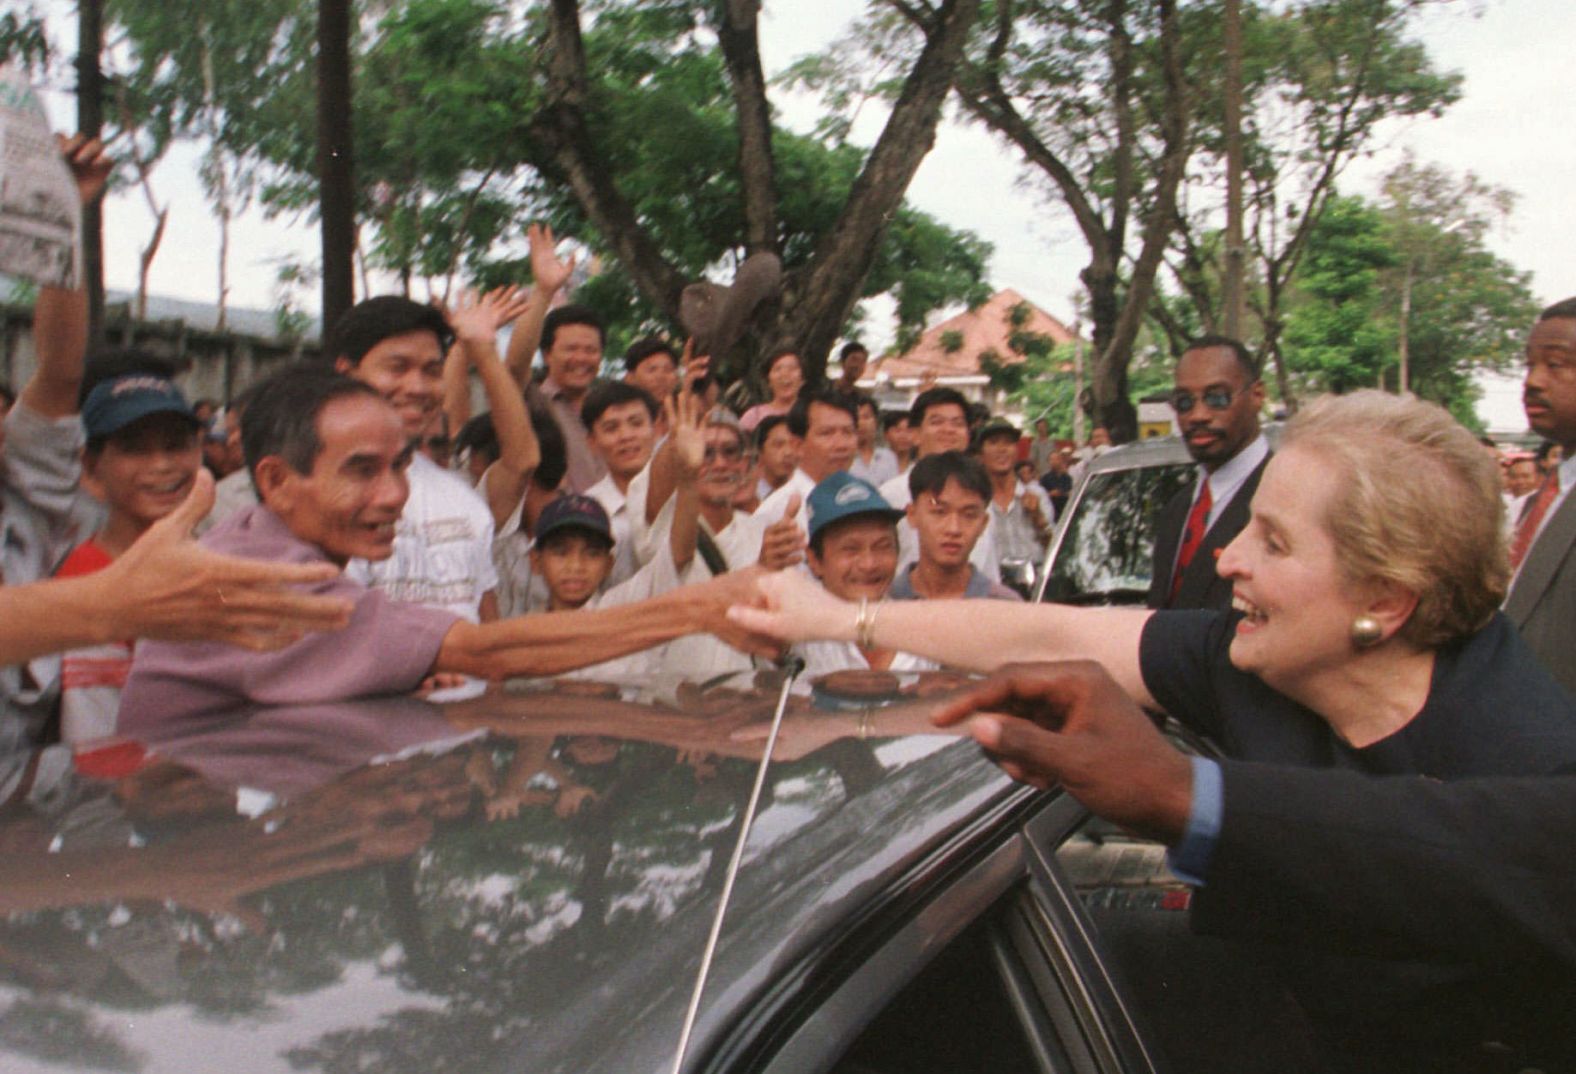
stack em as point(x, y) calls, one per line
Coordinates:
point(1417, 505)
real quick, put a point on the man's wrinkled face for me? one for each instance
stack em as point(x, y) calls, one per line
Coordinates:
point(623, 436)
point(574, 358)
point(944, 427)
point(1217, 404)
point(723, 469)
point(1549, 391)
point(858, 557)
point(350, 502)
point(407, 370)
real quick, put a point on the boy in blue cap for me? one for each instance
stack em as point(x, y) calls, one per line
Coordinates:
point(142, 455)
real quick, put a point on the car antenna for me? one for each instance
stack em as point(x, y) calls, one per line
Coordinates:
point(794, 665)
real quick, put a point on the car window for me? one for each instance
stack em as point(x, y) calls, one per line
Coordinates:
point(1103, 552)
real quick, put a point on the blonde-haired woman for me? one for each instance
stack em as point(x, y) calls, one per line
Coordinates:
point(1365, 632)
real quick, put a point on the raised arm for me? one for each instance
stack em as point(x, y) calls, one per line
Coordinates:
point(687, 447)
point(548, 276)
point(476, 324)
point(60, 317)
point(556, 642)
point(975, 635)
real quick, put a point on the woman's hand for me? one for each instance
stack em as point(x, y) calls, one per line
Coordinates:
point(792, 608)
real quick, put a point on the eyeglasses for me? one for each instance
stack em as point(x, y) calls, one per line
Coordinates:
point(1214, 398)
point(731, 453)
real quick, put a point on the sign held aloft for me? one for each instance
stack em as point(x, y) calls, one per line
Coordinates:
point(40, 216)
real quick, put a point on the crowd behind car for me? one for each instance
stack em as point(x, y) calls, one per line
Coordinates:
point(1312, 607)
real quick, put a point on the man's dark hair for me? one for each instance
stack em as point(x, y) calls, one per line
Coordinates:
point(243, 399)
point(1238, 350)
point(111, 362)
point(282, 417)
point(771, 359)
point(1544, 450)
point(934, 397)
point(642, 349)
point(478, 437)
point(799, 414)
point(610, 394)
point(890, 418)
point(932, 473)
point(853, 346)
point(550, 438)
point(1565, 307)
point(563, 315)
point(865, 399)
point(764, 429)
point(368, 323)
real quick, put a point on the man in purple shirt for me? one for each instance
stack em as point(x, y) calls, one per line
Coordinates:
point(328, 456)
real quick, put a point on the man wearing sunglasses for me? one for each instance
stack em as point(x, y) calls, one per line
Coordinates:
point(1217, 399)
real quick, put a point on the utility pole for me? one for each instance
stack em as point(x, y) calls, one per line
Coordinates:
point(335, 163)
point(90, 121)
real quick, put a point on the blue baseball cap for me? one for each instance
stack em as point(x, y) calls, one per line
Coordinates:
point(843, 495)
point(573, 511)
point(116, 403)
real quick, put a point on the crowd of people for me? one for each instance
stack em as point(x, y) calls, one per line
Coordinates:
point(1376, 595)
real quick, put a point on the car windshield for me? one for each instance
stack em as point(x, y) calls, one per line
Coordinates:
point(1103, 551)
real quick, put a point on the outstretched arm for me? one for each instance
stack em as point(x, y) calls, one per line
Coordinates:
point(168, 586)
point(686, 447)
point(548, 276)
point(557, 642)
point(975, 635)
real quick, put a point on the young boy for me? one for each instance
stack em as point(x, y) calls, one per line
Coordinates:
point(574, 554)
point(142, 455)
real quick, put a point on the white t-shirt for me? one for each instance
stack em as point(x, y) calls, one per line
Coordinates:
point(442, 547)
point(824, 657)
point(619, 508)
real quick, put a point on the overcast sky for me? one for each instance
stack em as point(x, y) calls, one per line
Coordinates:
point(1515, 127)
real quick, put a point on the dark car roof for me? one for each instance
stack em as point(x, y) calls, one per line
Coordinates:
point(344, 887)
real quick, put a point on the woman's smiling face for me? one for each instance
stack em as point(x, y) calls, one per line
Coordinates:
point(1298, 606)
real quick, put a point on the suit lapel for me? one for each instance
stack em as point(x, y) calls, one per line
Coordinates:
point(1201, 573)
point(1542, 562)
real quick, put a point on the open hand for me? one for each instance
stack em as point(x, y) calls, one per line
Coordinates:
point(476, 318)
point(548, 273)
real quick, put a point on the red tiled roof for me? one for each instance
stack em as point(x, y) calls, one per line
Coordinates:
point(984, 329)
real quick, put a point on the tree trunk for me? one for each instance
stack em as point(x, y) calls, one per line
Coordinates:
point(1235, 260)
point(335, 160)
point(817, 303)
point(90, 121)
point(740, 42)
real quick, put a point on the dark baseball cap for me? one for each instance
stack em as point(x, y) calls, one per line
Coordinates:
point(842, 495)
point(999, 426)
point(573, 511)
point(116, 403)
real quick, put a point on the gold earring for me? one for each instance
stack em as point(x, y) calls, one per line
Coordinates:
point(1366, 632)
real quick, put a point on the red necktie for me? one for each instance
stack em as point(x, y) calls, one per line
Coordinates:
point(1527, 528)
point(1192, 537)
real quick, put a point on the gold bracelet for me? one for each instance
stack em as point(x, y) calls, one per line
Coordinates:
point(865, 625)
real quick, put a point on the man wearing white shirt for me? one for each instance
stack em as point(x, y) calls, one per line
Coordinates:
point(1217, 398)
point(442, 554)
point(823, 421)
point(940, 420)
point(620, 422)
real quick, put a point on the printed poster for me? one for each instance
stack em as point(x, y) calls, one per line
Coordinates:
point(40, 218)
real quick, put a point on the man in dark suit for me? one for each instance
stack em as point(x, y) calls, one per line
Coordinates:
point(1542, 599)
point(1459, 896)
point(1217, 398)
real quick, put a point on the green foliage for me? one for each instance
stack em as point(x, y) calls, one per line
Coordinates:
point(24, 41)
point(1337, 338)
